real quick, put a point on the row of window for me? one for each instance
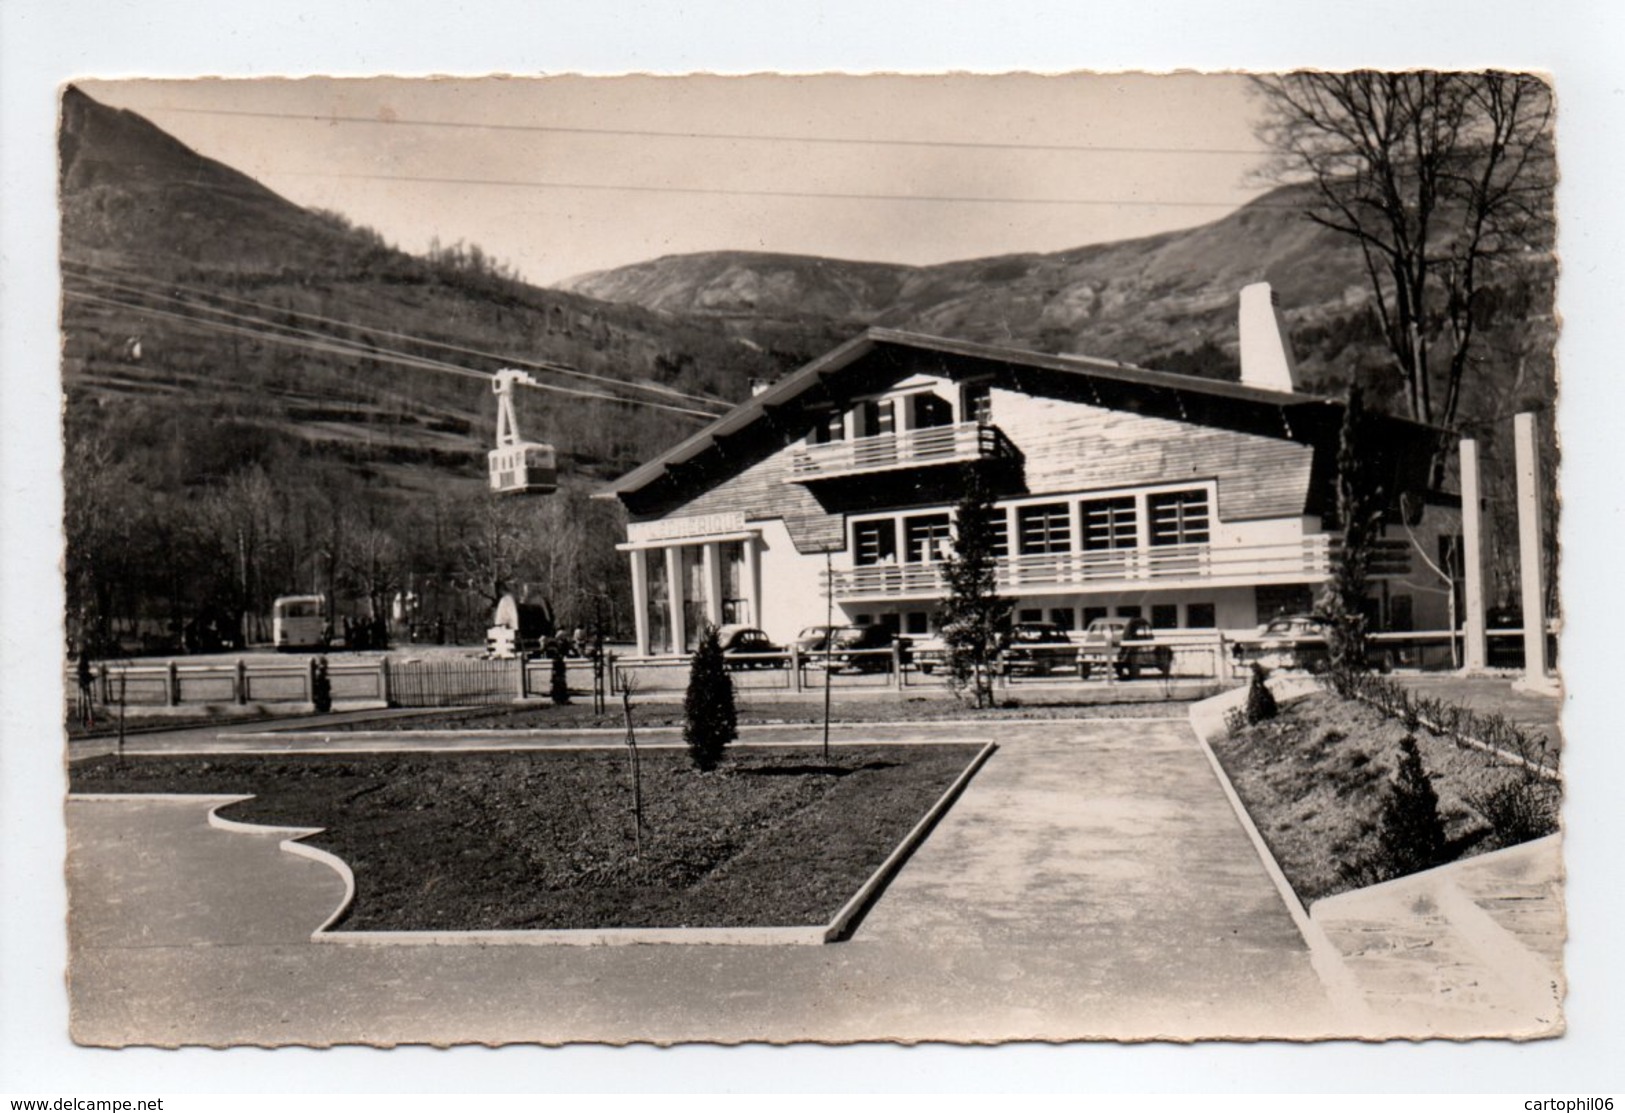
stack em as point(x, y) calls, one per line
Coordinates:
point(1163, 616)
point(1172, 517)
point(878, 417)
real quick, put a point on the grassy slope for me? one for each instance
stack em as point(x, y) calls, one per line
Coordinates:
point(143, 209)
point(1314, 779)
point(546, 840)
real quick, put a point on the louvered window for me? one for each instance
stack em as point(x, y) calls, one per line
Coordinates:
point(1046, 528)
point(874, 542)
point(926, 538)
point(1110, 523)
point(1178, 517)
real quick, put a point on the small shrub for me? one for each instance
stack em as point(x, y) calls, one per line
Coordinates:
point(1518, 808)
point(1235, 720)
point(710, 719)
point(321, 687)
point(1411, 835)
point(1260, 700)
point(559, 685)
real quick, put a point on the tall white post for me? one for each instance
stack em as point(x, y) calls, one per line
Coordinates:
point(753, 580)
point(1474, 656)
point(675, 591)
point(640, 598)
point(1530, 557)
point(713, 582)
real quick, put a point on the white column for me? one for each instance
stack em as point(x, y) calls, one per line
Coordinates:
point(1074, 524)
point(1530, 557)
point(713, 582)
point(1472, 536)
point(638, 558)
point(753, 580)
point(675, 589)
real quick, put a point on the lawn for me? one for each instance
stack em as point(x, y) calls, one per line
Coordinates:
point(668, 712)
point(1314, 780)
point(457, 842)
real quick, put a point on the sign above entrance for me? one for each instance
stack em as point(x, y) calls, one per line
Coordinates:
point(698, 526)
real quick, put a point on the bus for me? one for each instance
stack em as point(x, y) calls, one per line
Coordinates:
point(299, 622)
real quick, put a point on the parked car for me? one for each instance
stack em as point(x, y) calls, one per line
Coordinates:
point(1037, 647)
point(1298, 641)
point(814, 639)
point(746, 647)
point(855, 647)
point(1125, 645)
point(929, 654)
point(1294, 641)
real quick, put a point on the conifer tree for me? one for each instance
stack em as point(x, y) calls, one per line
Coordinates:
point(1413, 835)
point(1359, 513)
point(974, 616)
point(559, 680)
point(710, 720)
point(1260, 700)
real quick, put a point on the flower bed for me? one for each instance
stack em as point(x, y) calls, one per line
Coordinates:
point(1318, 780)
point(545, 839)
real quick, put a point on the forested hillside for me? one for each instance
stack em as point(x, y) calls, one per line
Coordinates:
point(261, 399)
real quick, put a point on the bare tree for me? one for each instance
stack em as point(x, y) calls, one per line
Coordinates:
point(1444, 180)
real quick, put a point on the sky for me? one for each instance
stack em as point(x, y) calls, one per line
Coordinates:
point(566, 175)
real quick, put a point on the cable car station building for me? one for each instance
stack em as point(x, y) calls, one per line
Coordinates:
point(1198, 504)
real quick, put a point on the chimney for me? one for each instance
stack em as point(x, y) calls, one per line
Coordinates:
point(1266, 354)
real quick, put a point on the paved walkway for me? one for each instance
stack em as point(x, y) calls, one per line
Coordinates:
point(1466, 949)
point(1091, 882)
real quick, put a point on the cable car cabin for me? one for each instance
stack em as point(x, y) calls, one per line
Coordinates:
point(518, 467)
point(299, 622)
point(528, 469)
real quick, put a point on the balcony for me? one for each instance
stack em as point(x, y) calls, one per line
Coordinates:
point(912, 448)
point(1161, 566)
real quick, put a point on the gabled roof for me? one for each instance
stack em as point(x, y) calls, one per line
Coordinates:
point(789, 390)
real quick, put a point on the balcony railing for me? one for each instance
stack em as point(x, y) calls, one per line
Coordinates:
point(942, 444)
point(1302, 561)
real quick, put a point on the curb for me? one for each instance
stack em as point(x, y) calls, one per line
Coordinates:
point(1341, 986)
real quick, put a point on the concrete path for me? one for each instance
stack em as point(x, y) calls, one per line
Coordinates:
point(1091, 882)
point(1467, 949)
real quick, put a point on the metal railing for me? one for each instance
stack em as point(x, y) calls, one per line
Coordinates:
point(392, 681)
point(1305, 560)
point(937, 445)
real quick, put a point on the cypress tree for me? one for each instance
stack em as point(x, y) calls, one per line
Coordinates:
point(1359, 513)
point(1413, 836)
point(559, 687)
point(973, 614)
point(1260, 700)
point(710, 720)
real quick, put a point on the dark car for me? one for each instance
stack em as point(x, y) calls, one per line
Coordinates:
point(814, 639)
point(1298, 641)
point(1293, 641)
point(865, 648)
point(746, 647)
point(1037, 647)
point(1125, 645)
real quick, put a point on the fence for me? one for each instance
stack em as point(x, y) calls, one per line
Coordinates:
point(463, 681)
point(396, 682)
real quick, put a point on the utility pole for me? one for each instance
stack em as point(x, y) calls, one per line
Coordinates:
point(829, 636)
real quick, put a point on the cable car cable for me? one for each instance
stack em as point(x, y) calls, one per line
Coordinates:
point(335, 346)
point(538, 364)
